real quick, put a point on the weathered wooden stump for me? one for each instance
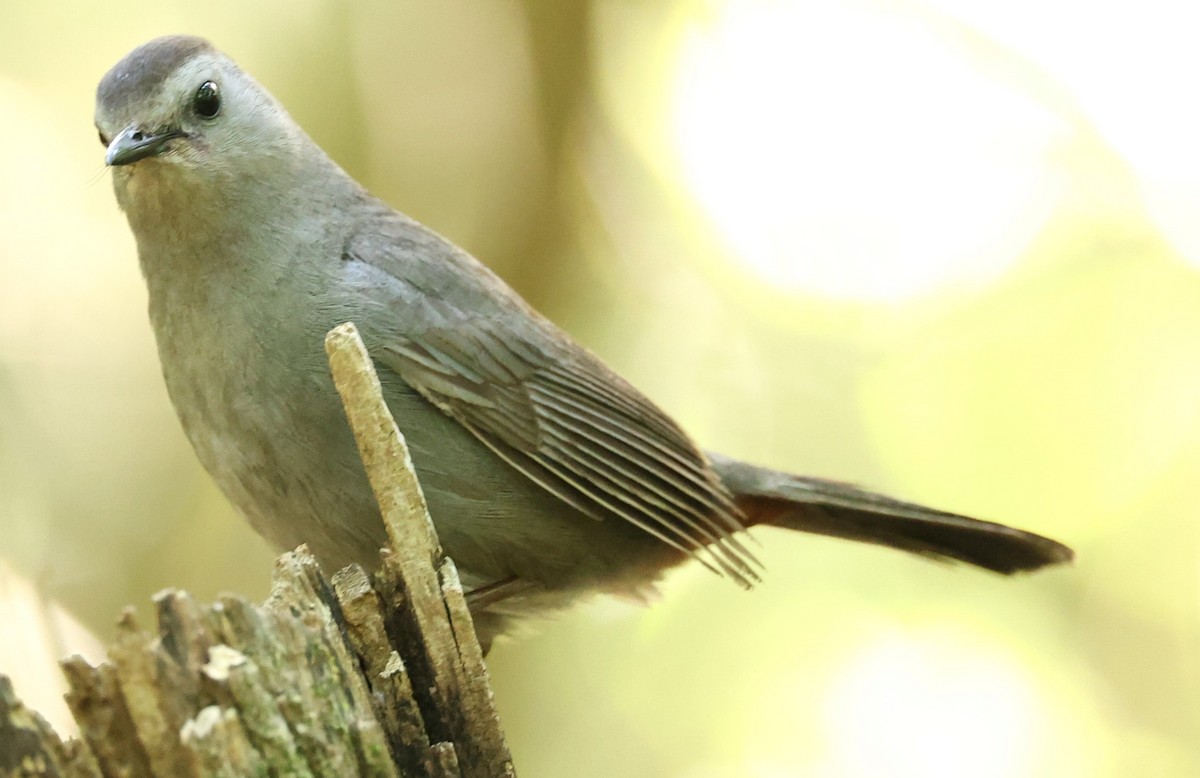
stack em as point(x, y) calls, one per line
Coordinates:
point(362, 674)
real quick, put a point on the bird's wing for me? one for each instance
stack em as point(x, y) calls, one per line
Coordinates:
point(542, 403)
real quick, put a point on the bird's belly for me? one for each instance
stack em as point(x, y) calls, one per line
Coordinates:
point(282, 454)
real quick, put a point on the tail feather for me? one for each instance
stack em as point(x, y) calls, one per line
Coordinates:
point(843, 511)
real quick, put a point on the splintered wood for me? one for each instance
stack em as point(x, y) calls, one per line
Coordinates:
point(365, 674)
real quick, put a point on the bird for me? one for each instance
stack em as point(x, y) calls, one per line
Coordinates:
point(548, 477)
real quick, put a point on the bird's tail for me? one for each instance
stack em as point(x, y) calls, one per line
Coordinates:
point(843, 511)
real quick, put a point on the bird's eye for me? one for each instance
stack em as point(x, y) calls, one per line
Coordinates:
point(207, 102)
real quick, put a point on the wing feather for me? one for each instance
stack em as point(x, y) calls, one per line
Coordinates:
point(543, 404)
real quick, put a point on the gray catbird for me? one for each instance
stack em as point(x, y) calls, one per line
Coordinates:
point(540, 465)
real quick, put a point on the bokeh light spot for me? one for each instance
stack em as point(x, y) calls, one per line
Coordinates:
point(877, 170)
point(927, 706)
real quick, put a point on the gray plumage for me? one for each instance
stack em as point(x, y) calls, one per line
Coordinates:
point(538, 462)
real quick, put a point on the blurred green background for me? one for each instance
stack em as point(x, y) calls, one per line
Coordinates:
point(944, 248)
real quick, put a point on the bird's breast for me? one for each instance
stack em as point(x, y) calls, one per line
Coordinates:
point(245, 369)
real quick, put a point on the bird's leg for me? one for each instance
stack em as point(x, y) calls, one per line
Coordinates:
point(491, 593)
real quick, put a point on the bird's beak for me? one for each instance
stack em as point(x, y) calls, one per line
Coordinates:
point(133, 144)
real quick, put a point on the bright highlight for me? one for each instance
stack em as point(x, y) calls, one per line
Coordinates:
point(856, 153)
point(929, 707)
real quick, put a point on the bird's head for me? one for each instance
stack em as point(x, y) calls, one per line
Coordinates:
point(177, 112)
